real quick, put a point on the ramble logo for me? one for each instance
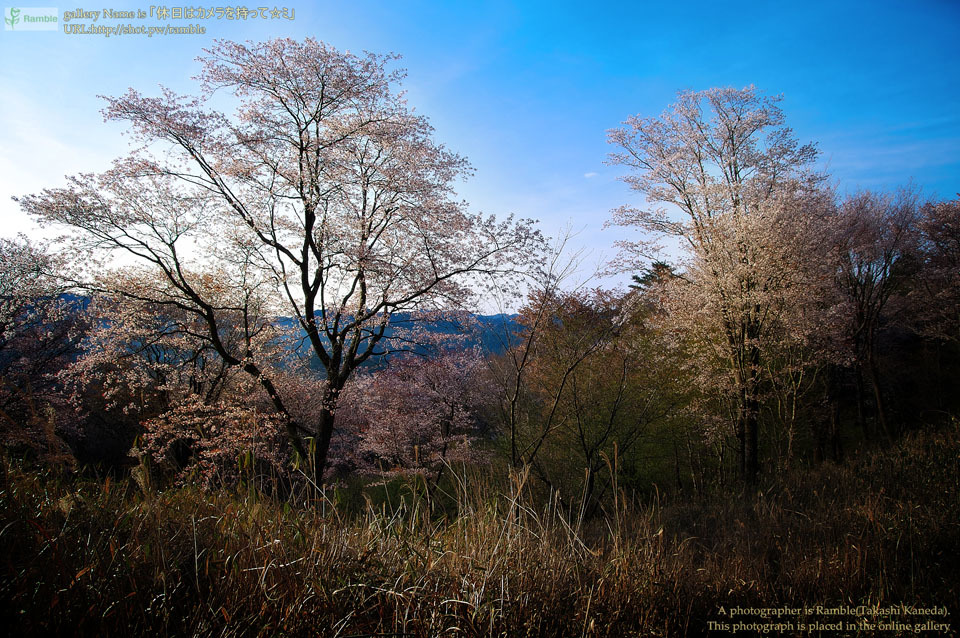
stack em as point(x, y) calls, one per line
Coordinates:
point(31, 18)
point(12, 17)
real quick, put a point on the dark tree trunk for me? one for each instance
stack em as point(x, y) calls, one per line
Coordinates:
point(827, 430)
point(861, 403)
point(751, 441)
point(750, 417)
point(878, 395)
point(836, 448)
point(325, 425)
point(676, 467)
point(742, 444)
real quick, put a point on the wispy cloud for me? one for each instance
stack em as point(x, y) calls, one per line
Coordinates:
point(590, 174)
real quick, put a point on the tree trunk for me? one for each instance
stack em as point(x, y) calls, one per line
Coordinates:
point(878, 395)
point(827, 430)
point(749, 417)
point(751, 441)
point(324, 433)
point(836, 448)
point(861, 402)
point(742, 441)
point(676, 467)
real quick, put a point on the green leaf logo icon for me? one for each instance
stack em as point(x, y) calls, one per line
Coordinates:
point(14, 17)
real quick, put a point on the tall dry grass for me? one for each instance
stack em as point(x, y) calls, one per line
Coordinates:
point(83, 557)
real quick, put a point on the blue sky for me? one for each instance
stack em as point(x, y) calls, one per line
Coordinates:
point(527, 90)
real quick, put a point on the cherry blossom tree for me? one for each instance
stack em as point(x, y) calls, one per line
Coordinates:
point(324, 198)
point(215, 442)
point(939, 251)
point(25, 275)
point(39, 331)
point(875, 242)
point(146, 370)
point(719, 170)
point(421, 414)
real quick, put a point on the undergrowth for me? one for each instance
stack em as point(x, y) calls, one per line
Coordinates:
point(112, 558)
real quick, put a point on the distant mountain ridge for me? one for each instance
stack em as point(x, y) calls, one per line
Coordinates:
point(490, 333)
